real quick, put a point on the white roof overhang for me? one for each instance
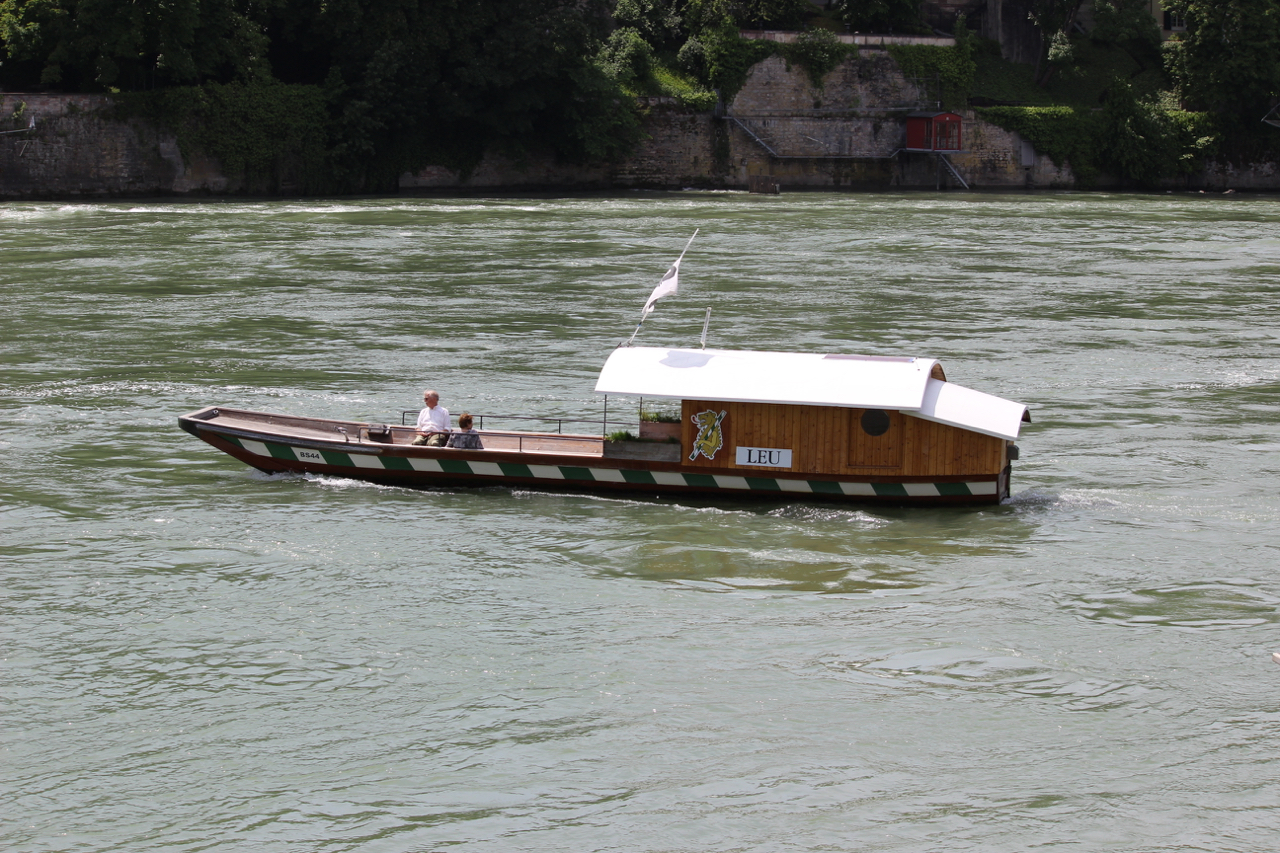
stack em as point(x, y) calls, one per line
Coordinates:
point(955, 405)
point(851, 381)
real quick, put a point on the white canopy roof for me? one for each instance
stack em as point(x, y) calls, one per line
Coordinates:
point(852, 381)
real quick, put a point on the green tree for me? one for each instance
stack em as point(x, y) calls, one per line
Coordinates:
point(945, 73)
point(729, 57)
point(1130, 26)
point(443, 81)
point(1054, 19)
point(131, 44)
point(770, 14)
point(659, 22)
point(881, 16)
point(627, 58)
point(1228, 60)
point(1136, 141)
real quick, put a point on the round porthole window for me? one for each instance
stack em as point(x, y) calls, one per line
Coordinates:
point(875, 421)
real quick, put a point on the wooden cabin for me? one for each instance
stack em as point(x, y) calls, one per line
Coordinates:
point(766, 414)
point(934, 131)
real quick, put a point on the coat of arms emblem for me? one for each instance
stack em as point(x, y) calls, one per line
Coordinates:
point(710, 437)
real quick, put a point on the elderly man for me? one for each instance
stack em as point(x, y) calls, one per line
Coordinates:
point(433, 422)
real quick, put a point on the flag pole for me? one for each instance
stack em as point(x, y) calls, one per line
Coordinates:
point(636, 332)
point(674, 266)
point(687, 245)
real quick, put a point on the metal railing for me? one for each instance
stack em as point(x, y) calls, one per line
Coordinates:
point(409, 417)
point(532, 442)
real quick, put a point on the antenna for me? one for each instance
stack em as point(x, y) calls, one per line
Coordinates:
point(705, 323)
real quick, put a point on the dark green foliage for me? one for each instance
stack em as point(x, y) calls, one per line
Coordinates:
point(1063, 134)
point(1228, 60)
point(1054, 20)
point(406, 83)
point(1137, 141)
point(692, 57)
point(627, 58)
point(1130, 25)
point(267, 132)
point(628, 61)
point(730, 57)
point(599, 122)
point(770, 14)
point(818, 52)
point(881, 16)
point(88, 45)
point(441, 82)
point(999, 81)
point(1053, 16)
point(946, 73)
point(1095, 65)
point(659, 22)
point(1120, 47)
point(1135, 138)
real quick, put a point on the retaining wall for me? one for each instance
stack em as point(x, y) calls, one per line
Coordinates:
point(844, 134)
point(76, 149)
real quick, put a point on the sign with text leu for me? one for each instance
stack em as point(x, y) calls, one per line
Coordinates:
point(772, 457)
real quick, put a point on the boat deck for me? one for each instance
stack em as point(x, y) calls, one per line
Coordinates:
point(358, 432)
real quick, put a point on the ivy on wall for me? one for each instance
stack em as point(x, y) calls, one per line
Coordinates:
point(946, 73)
point(729, 58)
point(267, 133)
point(1138, 141)
point(819, 52)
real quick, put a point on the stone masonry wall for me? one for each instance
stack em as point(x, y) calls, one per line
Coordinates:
point(995, 157)
point(845, 134)
point(860, 112)
point(75, 150)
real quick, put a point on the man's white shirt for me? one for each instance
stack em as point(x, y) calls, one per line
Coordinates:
point(433, 420)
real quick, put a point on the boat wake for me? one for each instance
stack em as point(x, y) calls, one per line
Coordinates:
point(1067, 499)
point(802, 512)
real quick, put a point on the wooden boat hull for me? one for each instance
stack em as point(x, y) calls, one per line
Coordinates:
point(282, 443)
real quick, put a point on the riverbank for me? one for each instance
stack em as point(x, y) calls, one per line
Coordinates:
point(845, 134)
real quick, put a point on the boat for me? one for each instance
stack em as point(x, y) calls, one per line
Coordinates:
point(782, 426)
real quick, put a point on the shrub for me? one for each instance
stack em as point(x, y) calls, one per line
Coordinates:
point(1132, 139)
point(684, 89)
point(730, 57)
point(946, 73)
point(628, 59)
point(266, 132)
point(818, 52)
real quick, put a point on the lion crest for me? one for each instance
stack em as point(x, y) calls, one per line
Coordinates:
point(710, 437)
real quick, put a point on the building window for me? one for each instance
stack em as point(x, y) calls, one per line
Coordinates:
point(1174, 23)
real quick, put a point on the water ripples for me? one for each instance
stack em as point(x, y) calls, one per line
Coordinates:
point(205, 657)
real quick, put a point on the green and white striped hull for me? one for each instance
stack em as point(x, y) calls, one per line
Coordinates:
point(425, 467)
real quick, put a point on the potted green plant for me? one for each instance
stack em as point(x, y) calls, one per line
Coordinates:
point(659, 426)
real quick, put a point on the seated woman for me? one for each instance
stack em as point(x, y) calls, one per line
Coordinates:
point(464, 437)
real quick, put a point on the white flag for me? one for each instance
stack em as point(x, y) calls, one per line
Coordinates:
point(670, 284)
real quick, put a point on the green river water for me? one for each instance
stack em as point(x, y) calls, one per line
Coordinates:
point(198, 657)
